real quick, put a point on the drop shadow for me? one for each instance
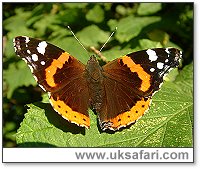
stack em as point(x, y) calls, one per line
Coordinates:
point(36, 145)
point(55, 119)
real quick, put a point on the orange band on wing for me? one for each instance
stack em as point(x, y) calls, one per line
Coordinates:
point(145, 77)
point(67, 113)
point(131, 116)
point(51, 70)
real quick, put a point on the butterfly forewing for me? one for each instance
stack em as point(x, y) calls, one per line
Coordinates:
point(58, 73)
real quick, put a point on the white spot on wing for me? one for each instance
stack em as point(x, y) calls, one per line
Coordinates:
point(27, 39)
point(160, 65)
point(152, 69)
point(152, 55)
point(41, 47)
point(28, 51)
point(42, 62)
point(167, 51)
point(35, 57)
point(166, 60)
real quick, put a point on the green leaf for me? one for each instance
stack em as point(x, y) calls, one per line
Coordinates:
point(17, 22)
point(149, 8)
point(167, 124)
point(92, 35)
point(187, 75)
point(70, 15)
point(159, 35)
point(146, 44)
point(95, 14)
point(17, 75)
point(121, 9)
point(41, 27)
point(116, 52)
point(131, 26)
point(75, 5)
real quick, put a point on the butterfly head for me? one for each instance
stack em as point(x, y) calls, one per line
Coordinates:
point(92, 62)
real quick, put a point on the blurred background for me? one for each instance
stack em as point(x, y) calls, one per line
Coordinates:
point(139, 26)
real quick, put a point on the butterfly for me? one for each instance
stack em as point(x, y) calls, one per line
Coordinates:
point(120, 91)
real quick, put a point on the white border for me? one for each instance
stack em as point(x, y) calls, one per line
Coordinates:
point(134, 155)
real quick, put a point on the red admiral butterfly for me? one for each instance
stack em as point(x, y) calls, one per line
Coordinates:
point(120, 91)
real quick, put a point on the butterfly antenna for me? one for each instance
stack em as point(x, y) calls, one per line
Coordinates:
point(78, 40)
point(108, 39)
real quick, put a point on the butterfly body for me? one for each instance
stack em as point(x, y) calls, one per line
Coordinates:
point(94, 76)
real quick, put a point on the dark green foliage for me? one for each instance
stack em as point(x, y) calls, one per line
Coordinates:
point(169, 122)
